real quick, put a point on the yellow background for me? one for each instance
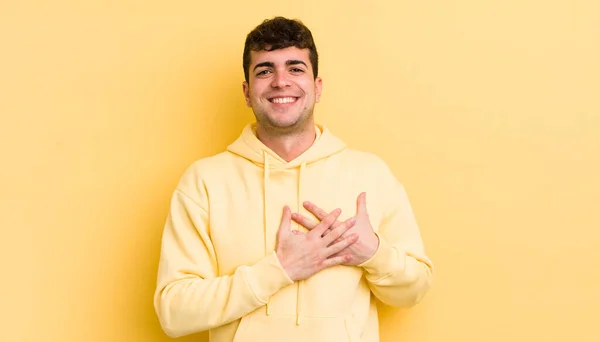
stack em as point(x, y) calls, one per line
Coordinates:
point(488, 112)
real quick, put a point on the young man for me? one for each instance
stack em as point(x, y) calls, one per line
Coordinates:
point(288, 235)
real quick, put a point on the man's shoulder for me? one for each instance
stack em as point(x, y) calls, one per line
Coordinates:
point(214, 160)
point(201, 172)
point(210, 164)
point(368, 164)
point(362, 157)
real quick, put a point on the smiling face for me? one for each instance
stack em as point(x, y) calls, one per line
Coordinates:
point(281, 89)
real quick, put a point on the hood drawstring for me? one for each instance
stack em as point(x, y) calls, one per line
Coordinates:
point(266, 215)
point(300, 282)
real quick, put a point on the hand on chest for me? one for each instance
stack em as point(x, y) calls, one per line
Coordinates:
point(249, 218)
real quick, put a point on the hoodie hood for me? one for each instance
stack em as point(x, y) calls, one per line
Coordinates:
point(249, 147)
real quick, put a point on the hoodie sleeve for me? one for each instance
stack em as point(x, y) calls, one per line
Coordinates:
point(399, 273)
point(190, 296)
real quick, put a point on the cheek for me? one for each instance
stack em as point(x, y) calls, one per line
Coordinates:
point(255, 92)
point(308, 88)
point(313, 87)
point(252, 95)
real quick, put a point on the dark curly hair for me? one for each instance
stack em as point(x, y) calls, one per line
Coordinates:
point(280, 33)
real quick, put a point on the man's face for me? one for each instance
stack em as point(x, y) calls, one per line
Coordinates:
point(281, 88)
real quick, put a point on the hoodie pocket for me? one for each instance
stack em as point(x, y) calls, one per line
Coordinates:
point(277, 328)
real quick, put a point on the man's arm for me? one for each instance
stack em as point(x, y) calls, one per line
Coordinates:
point(399, 273)
point(190, 297)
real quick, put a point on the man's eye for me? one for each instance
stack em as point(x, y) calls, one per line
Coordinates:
point(297, 70)
point(263, 72)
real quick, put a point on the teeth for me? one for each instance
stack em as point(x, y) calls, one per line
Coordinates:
point(283, 100)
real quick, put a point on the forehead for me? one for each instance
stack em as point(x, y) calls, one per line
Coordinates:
point(280, 56)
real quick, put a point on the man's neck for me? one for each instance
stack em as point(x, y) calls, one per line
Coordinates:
point(289, 145)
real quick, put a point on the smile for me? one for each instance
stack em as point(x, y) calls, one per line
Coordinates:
point(281, 100)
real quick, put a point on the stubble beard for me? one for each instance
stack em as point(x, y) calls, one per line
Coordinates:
point(277, 128)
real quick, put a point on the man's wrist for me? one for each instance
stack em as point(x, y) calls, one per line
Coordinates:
point(371, 247)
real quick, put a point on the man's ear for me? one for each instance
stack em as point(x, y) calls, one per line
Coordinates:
point(246, 90)
point(318, 88)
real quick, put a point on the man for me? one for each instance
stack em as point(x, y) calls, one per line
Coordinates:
point(288, 235)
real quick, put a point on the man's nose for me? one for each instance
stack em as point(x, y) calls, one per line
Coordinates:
point(280, 80)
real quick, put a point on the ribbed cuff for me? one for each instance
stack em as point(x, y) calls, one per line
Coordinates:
point(383, 262)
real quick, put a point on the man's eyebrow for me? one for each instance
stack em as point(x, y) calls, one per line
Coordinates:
point(272, 65)
point(264, 64)
point(295, 62)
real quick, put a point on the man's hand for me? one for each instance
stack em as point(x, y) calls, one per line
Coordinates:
point(304, 254)
point(367, 243)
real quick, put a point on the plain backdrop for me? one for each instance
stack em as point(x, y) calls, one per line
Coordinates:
point(487, 111)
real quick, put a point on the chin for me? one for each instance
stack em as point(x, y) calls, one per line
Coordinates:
point(283, 122)
point(282, 125)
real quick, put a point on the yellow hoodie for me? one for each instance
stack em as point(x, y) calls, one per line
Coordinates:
point(218, 268)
